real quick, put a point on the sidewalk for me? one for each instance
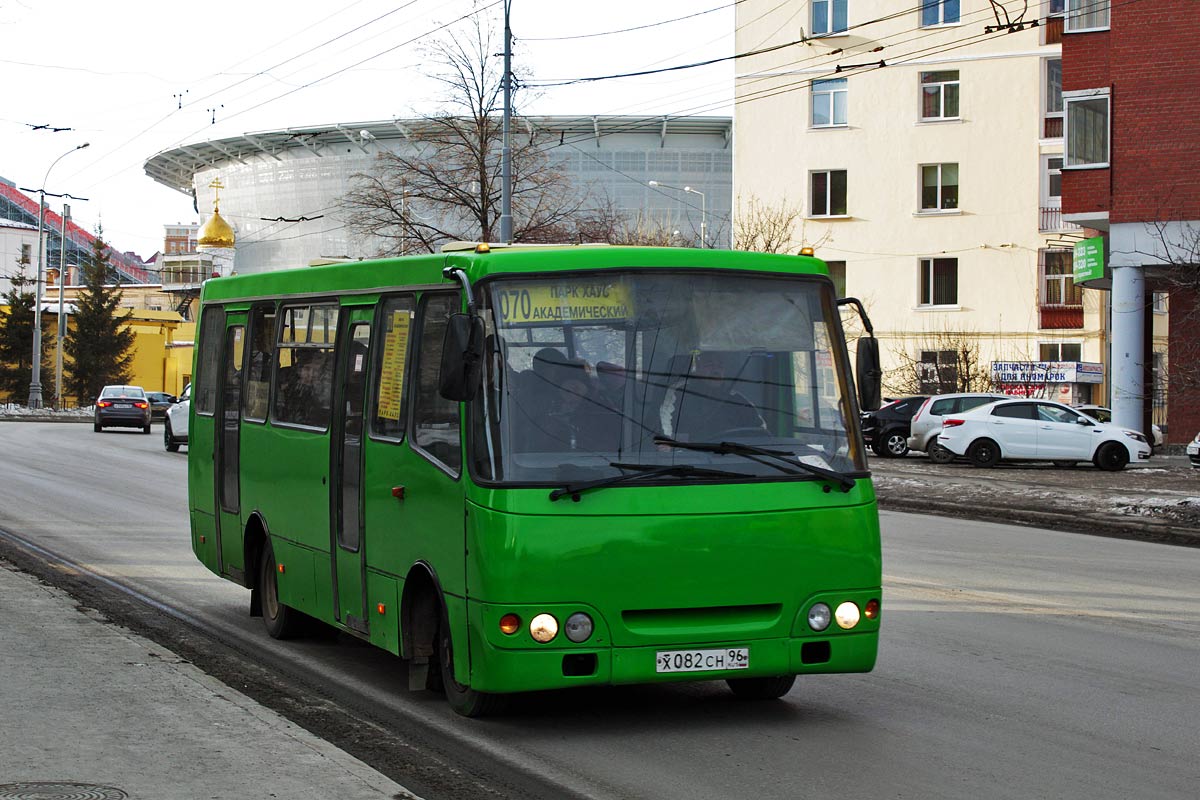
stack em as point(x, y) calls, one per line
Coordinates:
point(92, 710)
point(1158, 501)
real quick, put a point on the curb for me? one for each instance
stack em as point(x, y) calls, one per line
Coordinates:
point(1136, 528)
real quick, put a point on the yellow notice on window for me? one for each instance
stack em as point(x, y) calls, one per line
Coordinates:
point(391, 375)
point(579, 300)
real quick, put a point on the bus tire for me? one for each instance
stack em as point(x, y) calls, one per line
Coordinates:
point(463, 699)
point(281, 621)
point(770, 688)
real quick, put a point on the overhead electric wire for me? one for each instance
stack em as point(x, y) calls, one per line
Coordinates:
point(629, 30)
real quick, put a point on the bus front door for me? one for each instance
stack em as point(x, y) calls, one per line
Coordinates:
point(227, 460)
point(348, 545)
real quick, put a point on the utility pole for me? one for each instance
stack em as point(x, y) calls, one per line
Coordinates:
point(35, 385)
point(505, 147)
point(62, 317)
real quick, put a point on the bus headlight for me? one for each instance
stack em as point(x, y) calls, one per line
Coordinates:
point(543, 628)
point(579, 627)
point(847, 615)
point(818, 617)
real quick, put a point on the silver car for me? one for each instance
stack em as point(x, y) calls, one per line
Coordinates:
point(927, 422)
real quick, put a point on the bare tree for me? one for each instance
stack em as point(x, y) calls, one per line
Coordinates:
point(938, 362)
point(446, 183)
point(767, 228)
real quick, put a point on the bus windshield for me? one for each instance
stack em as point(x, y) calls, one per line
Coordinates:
point(604, 374)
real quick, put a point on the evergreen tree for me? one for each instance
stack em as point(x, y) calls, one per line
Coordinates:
point(16, 339)
point(99, 344)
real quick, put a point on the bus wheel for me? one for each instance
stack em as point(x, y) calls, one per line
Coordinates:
point(282, 621)
point(761, 688)
point(463, 699)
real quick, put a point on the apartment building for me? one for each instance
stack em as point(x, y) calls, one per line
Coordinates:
point(923, 144)
point(1132, 174)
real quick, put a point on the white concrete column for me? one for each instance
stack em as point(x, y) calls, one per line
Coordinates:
point(1128, 346)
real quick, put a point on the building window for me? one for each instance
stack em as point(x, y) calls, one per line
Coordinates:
point(828, 195)
point(1058, 284)
point(829, 103)
point(939, 282)
point(1087, 15)
point(939, 187)
point(837, 273)
point(1055, 8)
point(26, 253)
point(1060, 351)
point(1053, 116)
point(939, 95)
point(938, 12)
point(1158, 301)
point(1052, 183)
point(938, 371)
point(1086, 142)
point(828, 16)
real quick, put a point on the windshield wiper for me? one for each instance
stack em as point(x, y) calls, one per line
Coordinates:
point(643, 472)
point(844, 482)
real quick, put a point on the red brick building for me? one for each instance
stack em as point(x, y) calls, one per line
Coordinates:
point(1131, 93)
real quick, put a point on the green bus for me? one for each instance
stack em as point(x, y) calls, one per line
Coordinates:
point(528, 468)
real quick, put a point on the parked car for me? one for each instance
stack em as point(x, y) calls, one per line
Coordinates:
point(1102, 414)
point(886, 430)
point(159, 403)
point(1193, 451)
point(175, 424)
point(926, 424)
point(1040, 430)
point(122, 407)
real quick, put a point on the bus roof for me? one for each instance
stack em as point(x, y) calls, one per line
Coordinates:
point(479, 262)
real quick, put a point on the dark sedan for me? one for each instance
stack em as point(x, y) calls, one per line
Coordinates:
point(122, 407)
point(159, 403)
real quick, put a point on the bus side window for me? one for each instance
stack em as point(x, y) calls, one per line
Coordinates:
point(262, 356)
point(435, 419)
point(391, 362)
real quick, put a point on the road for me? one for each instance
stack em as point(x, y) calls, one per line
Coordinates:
point(1015, 662)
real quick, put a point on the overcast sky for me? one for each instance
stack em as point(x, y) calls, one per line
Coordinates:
point(133, 78)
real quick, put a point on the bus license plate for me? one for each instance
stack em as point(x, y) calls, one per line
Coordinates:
point(702, 660)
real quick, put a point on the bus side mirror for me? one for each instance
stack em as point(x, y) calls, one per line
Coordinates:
point(462, 357)
point(868, 373)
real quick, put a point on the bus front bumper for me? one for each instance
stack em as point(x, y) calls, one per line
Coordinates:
point(504, 670)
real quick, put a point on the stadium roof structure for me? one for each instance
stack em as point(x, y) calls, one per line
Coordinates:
point(177, 166)
point(15, 203)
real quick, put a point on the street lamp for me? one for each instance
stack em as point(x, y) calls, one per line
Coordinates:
point(703, 215)
point(35, 385)
point(703, 207)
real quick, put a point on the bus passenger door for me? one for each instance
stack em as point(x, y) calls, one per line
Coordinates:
point(227, 458)
point(349, 561)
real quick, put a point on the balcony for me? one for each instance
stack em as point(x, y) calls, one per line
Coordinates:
point(1052, 30)
point(1050, 221)
point(1056, 317)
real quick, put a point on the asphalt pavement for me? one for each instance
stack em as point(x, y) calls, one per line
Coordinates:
point(94, 710)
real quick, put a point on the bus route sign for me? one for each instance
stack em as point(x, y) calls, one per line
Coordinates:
point(564, 301)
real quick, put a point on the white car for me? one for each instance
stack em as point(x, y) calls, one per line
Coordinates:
point(1193, 451)
point(1039, 430)
point(1102, 414)
point(175, 423)
point(926, 424)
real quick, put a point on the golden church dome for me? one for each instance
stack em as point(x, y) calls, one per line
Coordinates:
point(216, 232)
